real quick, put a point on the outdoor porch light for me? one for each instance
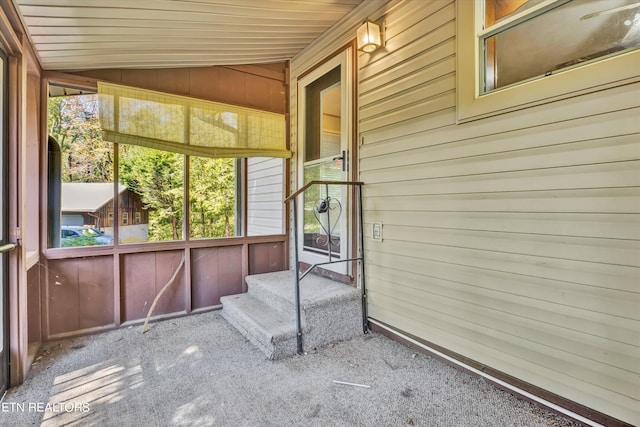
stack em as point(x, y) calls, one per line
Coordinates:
point(369, 37)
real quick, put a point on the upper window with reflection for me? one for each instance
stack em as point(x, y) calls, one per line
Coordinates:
point(527, 39)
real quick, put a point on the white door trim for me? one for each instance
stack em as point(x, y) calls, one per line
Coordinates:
point(344, 60)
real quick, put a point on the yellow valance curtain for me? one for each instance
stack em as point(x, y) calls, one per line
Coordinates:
point(188, 126)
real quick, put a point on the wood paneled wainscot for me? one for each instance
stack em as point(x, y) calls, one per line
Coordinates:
point(143, 277)
point(79, 294)
point(96, 292)
point(217, 266)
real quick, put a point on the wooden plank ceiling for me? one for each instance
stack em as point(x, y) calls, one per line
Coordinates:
point(91, 34)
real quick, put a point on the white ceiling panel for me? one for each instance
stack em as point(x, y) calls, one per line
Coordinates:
point(88, 34)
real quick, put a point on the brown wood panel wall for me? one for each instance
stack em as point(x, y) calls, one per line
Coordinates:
point(258, 86)
point(80, 293)
point(215, 272)
point(266, 257)
point(95, 292)
point(143, 276)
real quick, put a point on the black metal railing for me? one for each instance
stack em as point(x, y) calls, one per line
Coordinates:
point(324, 206)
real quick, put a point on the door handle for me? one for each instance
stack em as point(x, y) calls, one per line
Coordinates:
point(343, 158)
point(8, 247)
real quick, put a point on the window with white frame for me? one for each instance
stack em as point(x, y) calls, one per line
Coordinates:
point(566, 34)
point(518, 52)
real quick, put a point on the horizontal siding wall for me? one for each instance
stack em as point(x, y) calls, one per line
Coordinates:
point(513, 240)
point(265, 198)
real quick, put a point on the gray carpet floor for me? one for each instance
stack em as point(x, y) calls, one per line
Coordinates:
point(198, 371)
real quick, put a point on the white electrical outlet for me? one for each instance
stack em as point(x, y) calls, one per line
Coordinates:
point(376, 231)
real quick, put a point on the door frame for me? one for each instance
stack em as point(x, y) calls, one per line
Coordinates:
point(4, 221)
point(346, 59)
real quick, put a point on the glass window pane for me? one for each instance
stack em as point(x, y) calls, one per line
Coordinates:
point(323, 209)
point(330, 121)
point(499, 10)
point(212, 197)
point(80, 174)
point(323, 112)
point(151, 182)
point(571, 34)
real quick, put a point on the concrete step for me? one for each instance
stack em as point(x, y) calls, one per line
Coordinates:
point(274, 333)
point(330, 311)
point(278, 290)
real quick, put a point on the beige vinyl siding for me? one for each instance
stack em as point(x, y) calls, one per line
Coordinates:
point(265, 208)
point(513, 240)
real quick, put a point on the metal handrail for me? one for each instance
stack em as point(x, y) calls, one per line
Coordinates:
point(310, 183)
point(8, 247)
point(299, 277)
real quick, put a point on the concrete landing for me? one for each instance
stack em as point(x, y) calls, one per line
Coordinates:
point(265, 315)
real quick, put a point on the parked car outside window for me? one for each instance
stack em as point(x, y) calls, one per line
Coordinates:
point(83, 236)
